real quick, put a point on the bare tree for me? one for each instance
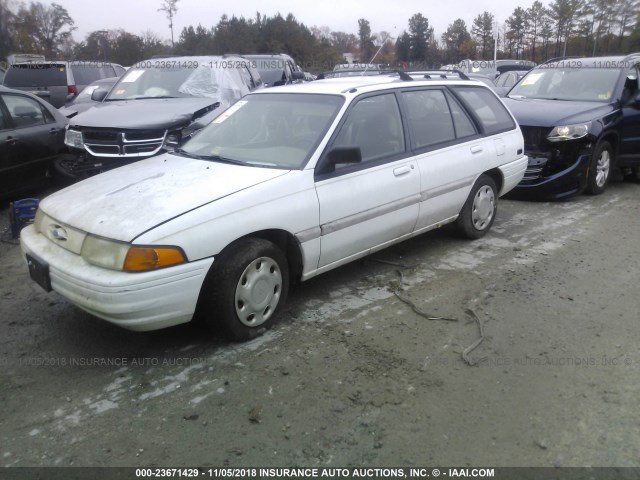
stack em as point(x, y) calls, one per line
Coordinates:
point(170, 9)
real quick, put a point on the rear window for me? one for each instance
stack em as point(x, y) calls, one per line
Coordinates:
point(89, 73)
point(489, 111)
point(36, 75)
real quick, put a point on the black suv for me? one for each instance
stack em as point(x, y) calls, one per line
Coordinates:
point(580, 117)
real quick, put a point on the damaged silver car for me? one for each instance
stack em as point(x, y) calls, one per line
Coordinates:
point(156, 106)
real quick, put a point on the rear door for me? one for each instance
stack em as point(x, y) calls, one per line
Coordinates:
point(370, 204)
point(450, 152)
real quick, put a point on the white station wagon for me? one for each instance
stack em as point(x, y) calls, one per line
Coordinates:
point(288, 183)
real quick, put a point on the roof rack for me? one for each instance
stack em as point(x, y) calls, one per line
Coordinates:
point(442, 74)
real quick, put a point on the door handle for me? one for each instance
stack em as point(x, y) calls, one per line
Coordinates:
point(401, 170)
point(476, 149)
point(11, 141)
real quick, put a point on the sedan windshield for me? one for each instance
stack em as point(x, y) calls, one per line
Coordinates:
point(280, 130)
point(576, 84)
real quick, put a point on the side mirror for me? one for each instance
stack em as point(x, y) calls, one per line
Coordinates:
point(98, 94)
point(338, 156)
point(297, 75)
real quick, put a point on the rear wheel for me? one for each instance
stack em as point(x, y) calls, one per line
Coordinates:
point(245, 289)
point(479, 211)
point(600, 169)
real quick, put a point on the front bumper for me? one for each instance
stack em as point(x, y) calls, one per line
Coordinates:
point(566, 183)
point(135, 301)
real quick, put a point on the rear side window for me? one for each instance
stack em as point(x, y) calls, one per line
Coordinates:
point(488, 110)
point(25, 111)
point(434, 117)
point(36, 75)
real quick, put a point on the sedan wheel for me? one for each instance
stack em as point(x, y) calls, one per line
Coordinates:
point(479, 211)
point(483, 207)
point(258, 291)
point(244, 289)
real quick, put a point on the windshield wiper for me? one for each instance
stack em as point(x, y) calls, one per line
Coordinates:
point(184, 153)
point(218, 158)
point(152, 96)
point(211, 158)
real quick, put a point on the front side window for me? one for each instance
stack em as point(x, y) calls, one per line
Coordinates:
point(24, 111)
point(489, 111)
point(374, 125)
point(3, 121)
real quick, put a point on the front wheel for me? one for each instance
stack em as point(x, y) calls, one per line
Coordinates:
point(600, 169)
point(245, 288)
point(479, 211)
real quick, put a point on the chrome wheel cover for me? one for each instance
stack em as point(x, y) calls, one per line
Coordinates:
point(484, 204)
point(258, 291)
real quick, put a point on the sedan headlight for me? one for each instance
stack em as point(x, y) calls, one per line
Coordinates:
point(129, 258)
point(569, 132)
point(73, 138)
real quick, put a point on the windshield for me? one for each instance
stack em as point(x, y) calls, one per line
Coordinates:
point(575, 84)
point(224, 85)
point(275, 130)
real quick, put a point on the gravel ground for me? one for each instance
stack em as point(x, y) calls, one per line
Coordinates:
point(352, 375)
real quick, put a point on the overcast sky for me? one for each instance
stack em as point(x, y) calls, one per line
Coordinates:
point(136, 16)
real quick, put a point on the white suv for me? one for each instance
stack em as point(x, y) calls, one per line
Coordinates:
point(286, 184)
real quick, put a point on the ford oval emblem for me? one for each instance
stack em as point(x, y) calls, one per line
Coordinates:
point(58, 232)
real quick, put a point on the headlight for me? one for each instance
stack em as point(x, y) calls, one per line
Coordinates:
point(104, 253)
point(129, 258)
point(73, 138)
point(569, 132)
point(172, 141)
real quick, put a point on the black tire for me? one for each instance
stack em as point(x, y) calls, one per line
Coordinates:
point(479, 211)
point(631, 174)
point(244, 289)
point(600, 168)
point(63, 166)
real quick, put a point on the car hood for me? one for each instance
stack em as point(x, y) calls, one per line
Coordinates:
point(535, 112)
point(74, 109)
point(125, 202)
point(144, 113)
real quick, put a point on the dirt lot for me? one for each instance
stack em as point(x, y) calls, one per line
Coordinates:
point(352, 375)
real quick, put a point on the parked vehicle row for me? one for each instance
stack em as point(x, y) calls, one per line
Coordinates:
point(279, 185)
point(286, 184)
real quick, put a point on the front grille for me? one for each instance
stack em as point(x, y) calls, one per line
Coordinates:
point(535, 169)
point(534, 137)
point(123, 143)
